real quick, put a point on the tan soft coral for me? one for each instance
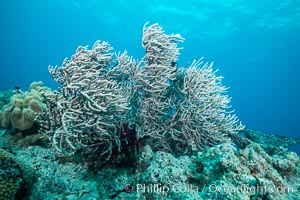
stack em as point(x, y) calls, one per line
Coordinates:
point(23, 108)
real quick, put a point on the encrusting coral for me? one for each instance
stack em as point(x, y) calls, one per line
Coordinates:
point(15, 177)
point(20, 112)
point(219, 172)
point(101, 92)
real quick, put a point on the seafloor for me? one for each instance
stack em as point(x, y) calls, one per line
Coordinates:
point(254, 165)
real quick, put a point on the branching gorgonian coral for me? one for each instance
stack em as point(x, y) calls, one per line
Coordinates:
point(91, 107)
point(184, 105)
point(100, 91)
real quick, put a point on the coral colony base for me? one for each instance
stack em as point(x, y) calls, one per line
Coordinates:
point(119, 128)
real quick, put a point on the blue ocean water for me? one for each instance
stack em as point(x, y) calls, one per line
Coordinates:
point(254, 44)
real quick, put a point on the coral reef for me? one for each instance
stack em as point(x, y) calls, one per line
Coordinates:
point(159, 173)
point(219, 172)
point(269, 139)
point(57, 180)
point(269, 142)
point(101, 91)
point(149, 129)
point(20, 112)
point(16, 177)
